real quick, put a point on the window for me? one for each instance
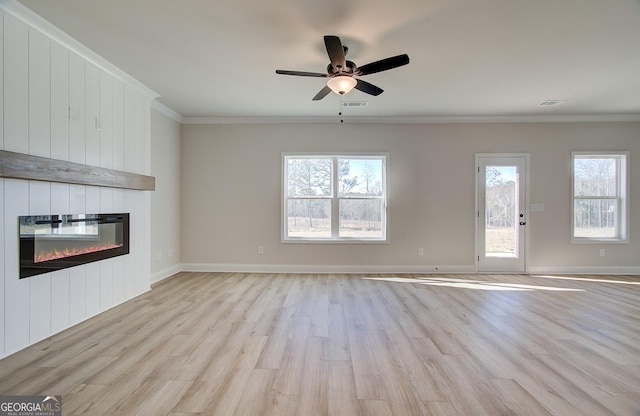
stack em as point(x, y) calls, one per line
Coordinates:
point(334, 197)
point(600, 203)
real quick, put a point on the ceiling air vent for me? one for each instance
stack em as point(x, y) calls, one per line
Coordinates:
point(549, 103)
point(352, 104)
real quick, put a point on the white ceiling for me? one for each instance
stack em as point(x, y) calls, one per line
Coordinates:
point(469, 58)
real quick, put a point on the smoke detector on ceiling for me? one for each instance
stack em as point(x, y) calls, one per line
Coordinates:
point(550, 103)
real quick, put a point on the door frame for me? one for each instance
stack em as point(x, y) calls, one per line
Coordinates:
point(526, 210)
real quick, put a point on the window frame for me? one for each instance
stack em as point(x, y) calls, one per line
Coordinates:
point(622, 196)
point(335, 198)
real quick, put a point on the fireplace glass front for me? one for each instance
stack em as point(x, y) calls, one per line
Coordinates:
point(54, 242)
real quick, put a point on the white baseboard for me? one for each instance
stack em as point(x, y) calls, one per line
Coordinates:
point(168, 272)
point(289, 268)
point(633, 270)
point(378, 269)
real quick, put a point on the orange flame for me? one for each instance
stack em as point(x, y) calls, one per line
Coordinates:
point(69, 252)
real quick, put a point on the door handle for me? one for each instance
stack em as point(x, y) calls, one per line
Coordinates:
point(523, 223)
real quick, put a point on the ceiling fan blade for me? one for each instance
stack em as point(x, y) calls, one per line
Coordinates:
point(323, 93)
point(364, 86)
point(383, 65)
point(301, 73)
point(335, 51)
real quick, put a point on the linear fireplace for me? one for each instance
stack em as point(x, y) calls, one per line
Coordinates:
point(54, 242)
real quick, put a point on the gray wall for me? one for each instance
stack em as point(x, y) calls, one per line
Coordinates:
point(231, 193)
point(165, 200)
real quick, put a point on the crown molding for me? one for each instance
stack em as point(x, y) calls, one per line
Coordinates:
point(261, 120)
point(163, 109)
point(25, 15)
point(591, 118)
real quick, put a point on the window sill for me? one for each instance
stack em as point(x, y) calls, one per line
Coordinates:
point(331, 241)
point(598, 241)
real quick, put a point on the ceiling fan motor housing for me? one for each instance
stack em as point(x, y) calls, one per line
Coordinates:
point(350, 69)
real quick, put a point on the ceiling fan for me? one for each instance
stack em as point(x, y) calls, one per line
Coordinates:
point(342, 73)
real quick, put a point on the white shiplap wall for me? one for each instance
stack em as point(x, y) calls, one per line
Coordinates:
point(55, 103)
point(2, 232)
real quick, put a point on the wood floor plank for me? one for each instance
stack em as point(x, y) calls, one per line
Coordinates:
point(517, 399)
point(398, 388)
point(397, 339)
point(466, 390)
point(548, 397)
point(439, 409)
point(338, 339)
point(368, 376)
point(67, 380)
point(273, 351)
point(626, 403)
point(496, 358)
point(376, 408)
point(314, 384)
point(211, 377)
point(342, 394)
point(283, 405)
point(314, 344)
point(611, 376)
point(231, 394)
point(257, 394)
point(250, 351)
point(153, 397)
point(290, 373)
point(81, 398)
point(319, 312)
point(570, 382)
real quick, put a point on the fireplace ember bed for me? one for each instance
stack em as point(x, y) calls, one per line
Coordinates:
point(54, 242)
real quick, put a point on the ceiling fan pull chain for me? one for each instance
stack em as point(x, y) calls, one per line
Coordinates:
point(340, 108)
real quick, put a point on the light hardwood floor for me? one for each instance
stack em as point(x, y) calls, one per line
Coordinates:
point(287, 344)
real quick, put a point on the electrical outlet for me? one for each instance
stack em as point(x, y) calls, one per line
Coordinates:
point(421, 251)
point(602, 253)
point(260, 250)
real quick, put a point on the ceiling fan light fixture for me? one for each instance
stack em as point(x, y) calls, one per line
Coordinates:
point(341, 84)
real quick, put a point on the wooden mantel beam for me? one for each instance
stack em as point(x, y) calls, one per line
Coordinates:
point(22, 166)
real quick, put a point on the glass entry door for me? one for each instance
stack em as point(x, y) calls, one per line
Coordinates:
point(501, 212)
